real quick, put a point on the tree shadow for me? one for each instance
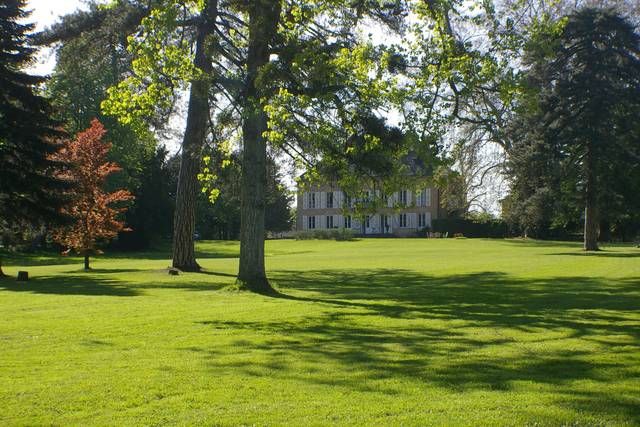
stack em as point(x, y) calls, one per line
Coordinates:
point(600, 254)
point(398, 324)
point(25, 259)
point(69, 285)
point(115, 270)
point(542, 243)
point(208, 272)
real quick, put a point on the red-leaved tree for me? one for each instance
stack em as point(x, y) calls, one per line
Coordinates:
point(94, 219)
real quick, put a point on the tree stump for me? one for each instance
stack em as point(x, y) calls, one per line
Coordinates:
point(23, 276)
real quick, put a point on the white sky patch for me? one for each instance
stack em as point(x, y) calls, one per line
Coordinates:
point(44, 14)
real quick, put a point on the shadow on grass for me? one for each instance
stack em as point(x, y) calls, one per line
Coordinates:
point(542, 243)
point(480, 331)
point(604, 246)
point(80, 284)
point(204, 250)
point(601, 254)
point(10, 259)
point(208, 272)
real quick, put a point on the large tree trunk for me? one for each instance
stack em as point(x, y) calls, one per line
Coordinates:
point(263, 22)
point(184, 256)
point(87, 267)
point(591, 225)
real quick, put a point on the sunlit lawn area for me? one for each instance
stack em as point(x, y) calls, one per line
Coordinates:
point(370, 332)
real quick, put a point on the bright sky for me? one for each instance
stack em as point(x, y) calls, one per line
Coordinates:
point(45, 13)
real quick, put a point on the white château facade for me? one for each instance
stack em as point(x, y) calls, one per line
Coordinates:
point(326, 207)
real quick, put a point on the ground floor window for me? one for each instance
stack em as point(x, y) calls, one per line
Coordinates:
point(347, 221)
point(385, 223)
point(422, 220)
point(311, 222)
point(367, 221)
point(329, 221)
point(403, 220)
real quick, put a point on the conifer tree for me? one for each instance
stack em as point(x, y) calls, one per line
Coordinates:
point(586, 83)
point(29, 191)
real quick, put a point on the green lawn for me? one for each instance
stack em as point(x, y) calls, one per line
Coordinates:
point(370, 332)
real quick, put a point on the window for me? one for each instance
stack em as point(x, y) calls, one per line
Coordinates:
point(386, 223)
point(347, 221)
point(312, 201)
point(330, 199)
point(403, 198)
point(403, 220)
point(311, 222)
point(329, 221)
point(422, 220)
point(367, 221)
point(347, 201)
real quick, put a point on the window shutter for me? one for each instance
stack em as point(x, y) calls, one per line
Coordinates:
point(305, 200)
point(418, 198)
point(338, 199)
point(409, 194)
point(412, 220)
point(304, 222)
point(427, 218)
point(427, 197)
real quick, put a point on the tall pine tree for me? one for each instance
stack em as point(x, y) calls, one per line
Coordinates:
point(588, 108)
point(28, 190)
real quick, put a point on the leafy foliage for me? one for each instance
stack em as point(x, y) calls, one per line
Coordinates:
point(95, 219)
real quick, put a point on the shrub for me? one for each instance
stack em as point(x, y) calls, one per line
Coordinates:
point(303, 235)
point(338, 234)
point(343, 234)
point(480, 226)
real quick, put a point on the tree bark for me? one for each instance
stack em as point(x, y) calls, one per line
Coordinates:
point(263, 22)
point(1, 272)
point(87, 267)
point(591, 211)
point(184, 257)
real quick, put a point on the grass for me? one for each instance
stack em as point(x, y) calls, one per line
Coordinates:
point(369, 332)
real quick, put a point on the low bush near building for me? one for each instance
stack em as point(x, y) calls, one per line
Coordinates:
point(478, 226)
point(338, 234)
